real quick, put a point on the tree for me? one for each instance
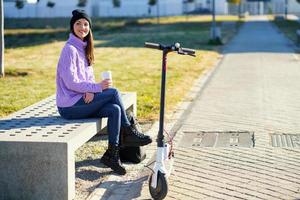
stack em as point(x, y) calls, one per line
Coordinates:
point(1, 40)
point(152, 2)
point(116, 3)
point(50, 4)
point(2, 71)
point(82, 3)
point(19, 4)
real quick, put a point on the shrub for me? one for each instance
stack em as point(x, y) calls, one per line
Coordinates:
point(19, 4)
point(50, 4)
point(116, 3)
point(82, 3)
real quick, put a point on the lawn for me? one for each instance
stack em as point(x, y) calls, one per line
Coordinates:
point(31, 57)
point(288, 27)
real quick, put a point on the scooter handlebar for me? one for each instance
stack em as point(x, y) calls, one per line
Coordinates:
point(176, 47)
point(152, 45)
point(188, 51)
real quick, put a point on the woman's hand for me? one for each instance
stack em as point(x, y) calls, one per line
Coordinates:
point(88, 97)
point(106, 84)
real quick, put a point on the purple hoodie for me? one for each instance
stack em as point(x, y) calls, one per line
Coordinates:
point(73, 76)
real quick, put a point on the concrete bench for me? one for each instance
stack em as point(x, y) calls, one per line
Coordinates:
point(298, 36)
point(37, 150)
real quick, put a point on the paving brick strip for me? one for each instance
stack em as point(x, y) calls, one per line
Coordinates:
point(255, 88)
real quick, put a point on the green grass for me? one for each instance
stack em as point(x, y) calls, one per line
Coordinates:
point(288, 27)
point(31, 57)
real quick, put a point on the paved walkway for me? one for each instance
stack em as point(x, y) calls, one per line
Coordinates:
point(255, 88)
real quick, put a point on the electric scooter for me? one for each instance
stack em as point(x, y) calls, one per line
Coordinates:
point(158, 185)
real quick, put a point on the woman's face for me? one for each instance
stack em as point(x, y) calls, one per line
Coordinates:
point(81, 28)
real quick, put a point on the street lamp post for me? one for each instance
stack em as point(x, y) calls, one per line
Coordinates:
point(213, 20)
point(157, 11)
point(1, 40)
point(215, 32)
point(240, 10)
point(286, 8)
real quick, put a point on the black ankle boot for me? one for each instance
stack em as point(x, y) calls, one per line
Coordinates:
point(130, 136)
point(111, 159)
point(134, 123)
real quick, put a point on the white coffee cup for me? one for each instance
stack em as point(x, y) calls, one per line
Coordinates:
point(106, 75)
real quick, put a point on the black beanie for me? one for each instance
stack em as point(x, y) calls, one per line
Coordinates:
point(78, 14)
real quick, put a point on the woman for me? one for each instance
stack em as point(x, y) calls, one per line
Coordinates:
point(79, 96)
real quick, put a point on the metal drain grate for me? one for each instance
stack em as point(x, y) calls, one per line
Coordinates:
point(217, 139)
point(286, 140)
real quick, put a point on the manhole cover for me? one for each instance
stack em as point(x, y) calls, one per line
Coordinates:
point(218, 139)
point(286, 140)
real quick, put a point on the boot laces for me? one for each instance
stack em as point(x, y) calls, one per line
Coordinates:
point(137, 133)
point(135, 124)
point(116, 154)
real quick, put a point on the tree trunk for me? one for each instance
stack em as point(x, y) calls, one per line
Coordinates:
point(1, 40)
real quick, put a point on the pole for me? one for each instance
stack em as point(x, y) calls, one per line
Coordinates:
point(1, 40)
point(240, 10)
point(157, 10)
point(286, 8)
point(213, 20)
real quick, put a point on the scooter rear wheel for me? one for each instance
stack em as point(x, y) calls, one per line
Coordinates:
point(161, 190)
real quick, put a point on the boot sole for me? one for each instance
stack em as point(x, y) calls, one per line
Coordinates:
point(107, 163)
point(135, 144)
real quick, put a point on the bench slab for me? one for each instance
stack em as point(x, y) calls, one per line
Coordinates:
point(37, 150)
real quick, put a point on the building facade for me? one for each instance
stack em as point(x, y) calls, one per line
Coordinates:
point(95, 8)
point(271, 7)
point(140, 8)
point(221, 6)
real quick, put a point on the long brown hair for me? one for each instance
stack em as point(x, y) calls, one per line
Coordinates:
point(89, 50)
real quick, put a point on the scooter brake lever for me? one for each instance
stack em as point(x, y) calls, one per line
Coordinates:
point(185, 53)
point(181, 53)
point(193, 55)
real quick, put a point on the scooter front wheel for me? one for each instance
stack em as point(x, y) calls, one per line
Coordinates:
point(161, 190)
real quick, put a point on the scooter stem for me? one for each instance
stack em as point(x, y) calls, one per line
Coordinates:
point(160, 136)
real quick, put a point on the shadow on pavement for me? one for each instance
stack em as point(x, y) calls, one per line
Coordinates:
point(115, 187)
